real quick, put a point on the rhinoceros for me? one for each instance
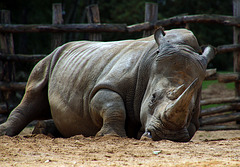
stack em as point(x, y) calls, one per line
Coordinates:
point(149, 87)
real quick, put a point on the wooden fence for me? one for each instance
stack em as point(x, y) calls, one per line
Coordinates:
point(214, 118)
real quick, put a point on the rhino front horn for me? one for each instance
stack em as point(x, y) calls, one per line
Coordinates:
point(176, 113)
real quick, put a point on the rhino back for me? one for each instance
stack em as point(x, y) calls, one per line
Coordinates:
point(80, 69)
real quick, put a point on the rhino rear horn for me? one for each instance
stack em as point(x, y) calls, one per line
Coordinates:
point(177, 112)
point(175, 93)
point(158, 35)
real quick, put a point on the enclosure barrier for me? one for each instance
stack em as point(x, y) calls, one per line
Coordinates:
point(211, 118)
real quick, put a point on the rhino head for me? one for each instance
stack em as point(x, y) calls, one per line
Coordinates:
point(173, 90)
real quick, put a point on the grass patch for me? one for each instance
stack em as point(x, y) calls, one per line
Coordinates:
point(210, 106)
point(206, 84)
point(230, 85)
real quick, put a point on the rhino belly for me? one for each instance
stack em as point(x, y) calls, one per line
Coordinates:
point(69, 120)
point(69, 87)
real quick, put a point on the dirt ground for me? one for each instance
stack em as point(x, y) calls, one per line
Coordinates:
point(207, 148)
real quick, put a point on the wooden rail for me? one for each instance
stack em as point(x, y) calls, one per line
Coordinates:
point(21, 57)
point(5, 86)
point(220, 119)
point(220, 100)
point(220, 109)
point(23, 28)
point(224, 78)
point(213, 19)
point(228, 48)
point(178, 20)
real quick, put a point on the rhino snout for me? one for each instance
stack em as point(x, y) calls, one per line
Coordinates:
point(146, 135)
point(165, 134)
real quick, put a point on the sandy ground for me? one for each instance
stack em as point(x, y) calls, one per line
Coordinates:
point(221, 148)
point(206, 149)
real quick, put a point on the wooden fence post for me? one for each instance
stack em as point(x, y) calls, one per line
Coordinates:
point(7, 68)
point(236, 40)
point(151, 16)
point(57, 38)
point(94, 17)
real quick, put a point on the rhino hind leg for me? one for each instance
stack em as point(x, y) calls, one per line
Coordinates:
point(108, 111)
point(34, 104)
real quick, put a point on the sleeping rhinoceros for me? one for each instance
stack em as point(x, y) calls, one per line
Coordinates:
point(146, 87)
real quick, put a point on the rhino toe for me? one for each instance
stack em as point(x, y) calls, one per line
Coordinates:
point(3, 130)
point(108, 130)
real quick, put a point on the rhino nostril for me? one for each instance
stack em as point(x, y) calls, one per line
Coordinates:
point(146, 135)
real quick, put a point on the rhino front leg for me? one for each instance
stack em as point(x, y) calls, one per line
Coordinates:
point(108, 111)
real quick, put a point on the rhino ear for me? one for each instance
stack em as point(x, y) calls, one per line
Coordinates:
point(158, 35)
point(208, 54)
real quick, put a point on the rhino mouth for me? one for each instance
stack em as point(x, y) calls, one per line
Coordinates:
point(177, 136)
point(157, 131)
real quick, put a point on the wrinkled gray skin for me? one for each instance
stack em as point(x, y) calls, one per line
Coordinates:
point(148, 87)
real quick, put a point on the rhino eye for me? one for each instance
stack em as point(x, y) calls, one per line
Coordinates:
point(153, 99)
point(156, 96)
point(152, 102)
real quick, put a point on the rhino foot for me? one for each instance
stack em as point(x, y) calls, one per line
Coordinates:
point(7, 129)
point(108, 130)
point(109, 106)
point(3, 130)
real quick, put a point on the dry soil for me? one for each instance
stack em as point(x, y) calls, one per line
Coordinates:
point(207, 148)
